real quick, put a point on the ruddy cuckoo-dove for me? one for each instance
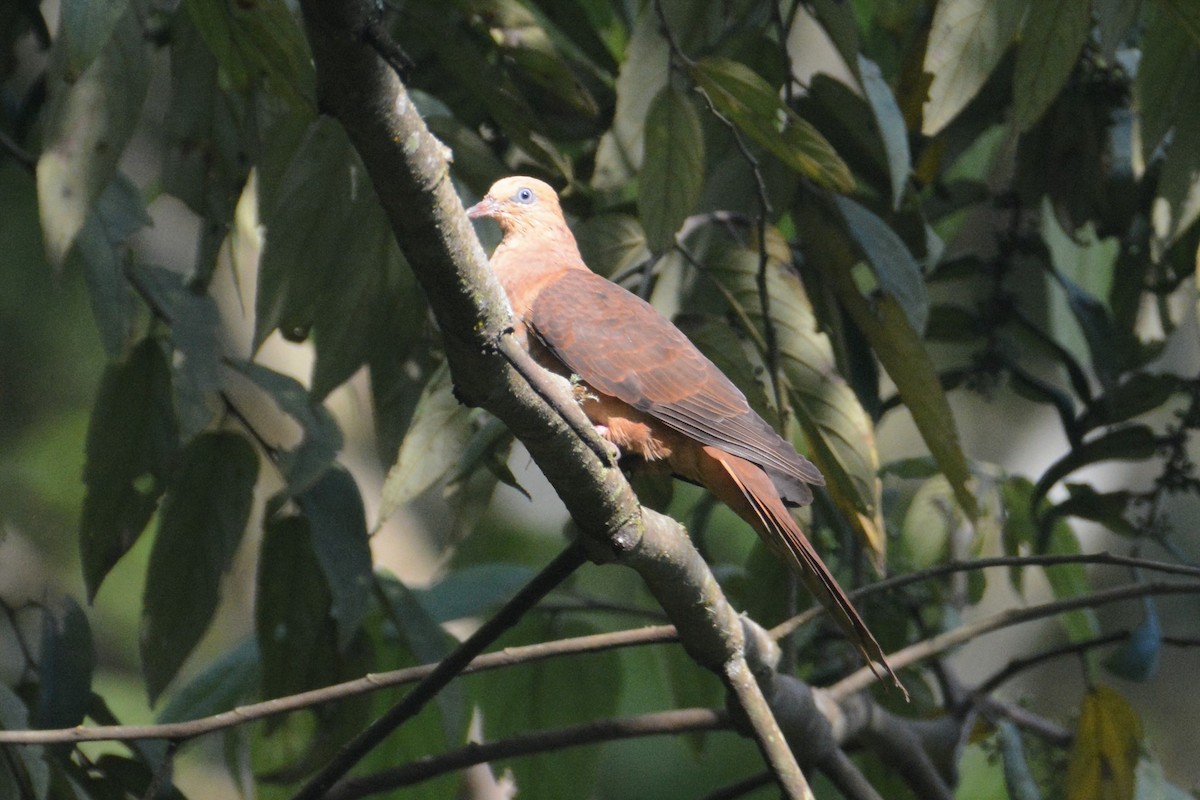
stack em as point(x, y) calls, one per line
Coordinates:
point(648, 389)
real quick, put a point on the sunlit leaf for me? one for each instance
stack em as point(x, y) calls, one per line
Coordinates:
point(1104, 757)
point(620, 150)
point(899, 347)
point(128, 457)
point(88, 122)
point(966, 40)
point(750, 103)
point(338, 526)
point(437, 436)
point(1050, 44)
point(1070, 580)
point(838, 433)
point(203, 518)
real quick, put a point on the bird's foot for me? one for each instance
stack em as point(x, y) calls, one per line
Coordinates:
point(610, 445)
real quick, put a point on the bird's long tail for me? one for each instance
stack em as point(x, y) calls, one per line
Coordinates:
point(748, 490)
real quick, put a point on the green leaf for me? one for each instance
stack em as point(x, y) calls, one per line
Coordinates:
point(1140, 393)
point(472, 590)
point(194, 322)
point(308, 212)
point(203, 518)
point(131, 442)
point(612, 243)
point(1108, 740)
point(1166, 79)
point(231, 679)
point(26, 766)
point(304, 464)
point(1178, 205)
point(1050, 44)
point(1187, 15)
point(255, 42)
point(892, 129)
point(549, 694)
point(430, 644)
point(619, 155)
point(119, 212)
point(673, 170)
point(210, 140)
point(753, 106)
point(297, 635)
point(966, 41)
point(1133, 443)
point(338, 524)
point(1070, 580)
point(897, 271)
point(1106, 508)
point(438, 434)
point(899, 347)
point(84, 27)
point(68, 659)
point(88, 121)
point(839, 435)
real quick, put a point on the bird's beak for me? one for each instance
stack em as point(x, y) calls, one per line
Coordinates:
point(484, 208)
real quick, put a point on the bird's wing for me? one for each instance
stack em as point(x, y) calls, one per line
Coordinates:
point(622, 347)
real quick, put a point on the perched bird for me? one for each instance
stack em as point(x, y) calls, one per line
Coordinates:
point(646, 387)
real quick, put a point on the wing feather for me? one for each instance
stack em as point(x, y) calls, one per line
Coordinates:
point(633, 353)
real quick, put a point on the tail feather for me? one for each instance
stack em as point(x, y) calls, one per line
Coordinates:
point(770, 518)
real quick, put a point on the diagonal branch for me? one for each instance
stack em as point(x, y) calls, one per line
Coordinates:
point(411, 176)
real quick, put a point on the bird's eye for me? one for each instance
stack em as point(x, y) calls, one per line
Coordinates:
point(524, 195)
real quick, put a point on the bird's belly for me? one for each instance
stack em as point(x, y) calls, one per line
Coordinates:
point(633, 432)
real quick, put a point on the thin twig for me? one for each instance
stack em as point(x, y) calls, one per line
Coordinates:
point(688, 720)
point(742, 787)
point(915, 653)
point(573, 557)
point(768, 736)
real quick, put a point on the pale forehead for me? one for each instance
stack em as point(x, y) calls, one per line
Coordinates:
point(507, 186)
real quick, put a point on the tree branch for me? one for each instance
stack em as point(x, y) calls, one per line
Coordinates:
point(408, 167)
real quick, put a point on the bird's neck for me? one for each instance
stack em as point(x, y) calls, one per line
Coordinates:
point(526, 260)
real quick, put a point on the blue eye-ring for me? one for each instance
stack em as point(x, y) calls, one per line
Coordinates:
point(524, 195)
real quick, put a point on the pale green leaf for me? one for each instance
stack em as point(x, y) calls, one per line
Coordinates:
point(673, 171)
point(966, 41)
point(88, 122)
point(438, 434)
point(737, 92)
point(1105, 754)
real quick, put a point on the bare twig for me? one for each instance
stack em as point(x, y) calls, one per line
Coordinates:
point(928, 648)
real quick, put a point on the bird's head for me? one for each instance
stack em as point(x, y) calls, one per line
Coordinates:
point(520, 204)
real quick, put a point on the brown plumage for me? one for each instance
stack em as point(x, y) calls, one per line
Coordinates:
point(648, 389)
